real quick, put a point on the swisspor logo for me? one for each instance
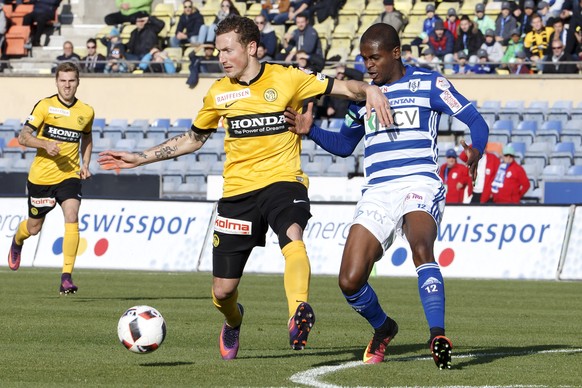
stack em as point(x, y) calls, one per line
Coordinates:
point(232, 226)
point(257, 124)
point(61, 134)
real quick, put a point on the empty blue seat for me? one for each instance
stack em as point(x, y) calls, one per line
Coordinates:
point(98, 124)
point(183, 123)
point(161, 123)
point(550, 131)
point(574, 171)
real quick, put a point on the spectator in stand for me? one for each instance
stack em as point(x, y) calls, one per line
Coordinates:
point(511, 182)
point(545, 14)
point(442, 42)
point(113, 40)
point(262, 55)
point(557, 62)
point(504, 24)
point(483, 66)
point(452, 22)
point(429, 61)
point(208, 63)
point(93, 62)
point(3, 26)
point(486, 171)
point(116, 63)
point(427, 25)
point(335, 107)
point(461, 66)
point(519, 64)
point(68, 55)
point(128, 11)
point(207, 33)
point(268, 36)
point(469, 40)
point(188, 28)
point(524, 19)
point(563, 34)
point(272, 8)
point(42, 14)
point(456, 178)
point(514, 46)
point(303, 38)
point(482, 21)
point(157, 61)
point(493, 47)
point(407, 57)
point(296, 8)
point(392, 16)
point(537, 41)
point(144, 37)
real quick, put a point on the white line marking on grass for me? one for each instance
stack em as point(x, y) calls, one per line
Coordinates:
point(311, 377)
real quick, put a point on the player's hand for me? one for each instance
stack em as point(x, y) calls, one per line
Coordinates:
point(376, 100)
point(53, 147)
point(85, 173)
point(473, 156)
point(111, 160)
point(299, 123)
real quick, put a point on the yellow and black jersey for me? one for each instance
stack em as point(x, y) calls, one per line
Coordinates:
point(259, 148)
point(55, 121)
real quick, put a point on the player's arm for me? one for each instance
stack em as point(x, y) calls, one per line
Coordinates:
point(342, 143)
point(86, 149)
point(360, 91)
point(26, 138)
point(178, 145)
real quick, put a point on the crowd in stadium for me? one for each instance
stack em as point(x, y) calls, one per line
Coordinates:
point(522, 37)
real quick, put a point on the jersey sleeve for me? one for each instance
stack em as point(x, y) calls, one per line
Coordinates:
point(37, 116)
point(309, 85)
point(446, 99)
point(344, 142)
point(207, 118)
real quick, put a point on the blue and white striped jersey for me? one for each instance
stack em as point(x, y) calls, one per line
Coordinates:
point(406, 151)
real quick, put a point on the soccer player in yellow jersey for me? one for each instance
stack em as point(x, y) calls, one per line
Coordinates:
point(63, 125)
point(263, 181)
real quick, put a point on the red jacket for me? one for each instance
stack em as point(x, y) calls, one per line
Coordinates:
point(491, 165)
point(515, 185)
point(454, 175)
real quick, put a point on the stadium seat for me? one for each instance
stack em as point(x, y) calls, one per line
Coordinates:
point(16, 38)
point(572, 131)
point(533, 172)
point(520, 149)
point(21, 165)
point(144, 144)
point(102, 144)
point(161, 123)
point(125, 145)
point(553, 171)
point(458, 126)
point(501, 131)
point(560, 110)
point(550, 131)
point(6, 164)
point(19, 12)
point(563, 154)
point(490, 109)
point(13, 153)
point(525, 131)
point(512, 111)
point(536, 111)
point(574, 171)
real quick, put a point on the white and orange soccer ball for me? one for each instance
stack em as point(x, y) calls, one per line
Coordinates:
point(141, 329)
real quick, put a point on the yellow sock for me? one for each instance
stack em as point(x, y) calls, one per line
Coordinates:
point(70, 246)
point(229, 309)
point(21, 233)
point(297, 274)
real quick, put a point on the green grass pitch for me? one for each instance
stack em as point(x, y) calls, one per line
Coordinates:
point(505, 333)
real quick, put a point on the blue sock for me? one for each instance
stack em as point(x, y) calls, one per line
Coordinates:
point(432, 294)
point(365, 302)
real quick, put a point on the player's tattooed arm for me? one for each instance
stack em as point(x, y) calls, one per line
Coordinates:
point(198, 137)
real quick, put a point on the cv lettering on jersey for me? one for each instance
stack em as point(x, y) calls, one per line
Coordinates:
point(232, 226)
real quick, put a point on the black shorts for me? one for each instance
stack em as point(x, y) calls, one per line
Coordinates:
point(242, 223)
point(43, 198)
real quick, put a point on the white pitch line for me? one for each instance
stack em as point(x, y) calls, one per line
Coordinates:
point(311, 377)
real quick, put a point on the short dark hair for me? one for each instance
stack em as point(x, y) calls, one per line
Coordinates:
point(66, 67)
point(246, 29)
point(91, 40)
point(382, 33)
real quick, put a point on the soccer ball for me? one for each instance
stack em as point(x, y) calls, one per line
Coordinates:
point(141, 329)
